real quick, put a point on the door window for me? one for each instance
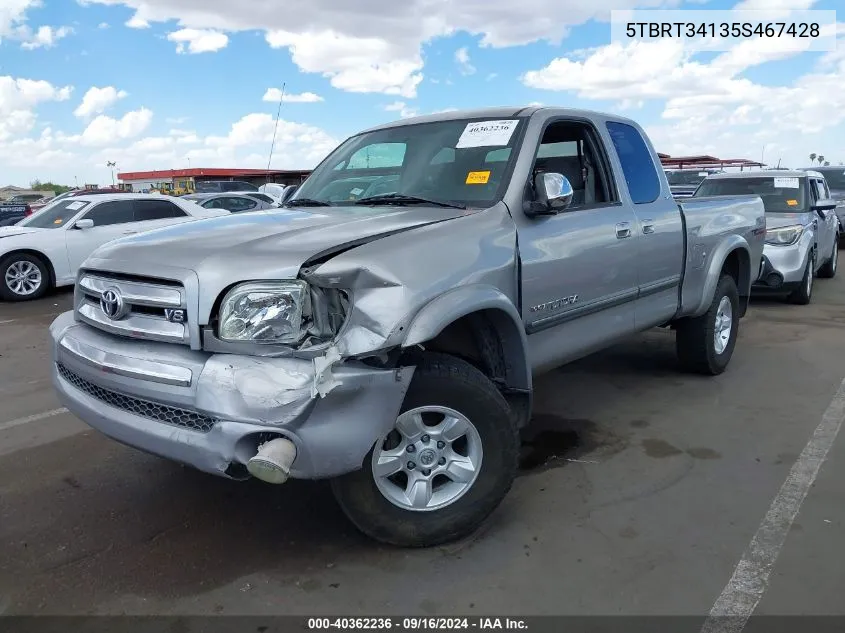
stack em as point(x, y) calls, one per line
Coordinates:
point(156, 210)
point(637, 162)
point(236, 204)
point(107, 213)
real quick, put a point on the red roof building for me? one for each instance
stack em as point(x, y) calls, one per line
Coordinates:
point(254, 176)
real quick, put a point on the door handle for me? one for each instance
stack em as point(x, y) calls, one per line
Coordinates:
point(623, 230)
point(129, 232)
point(648, 227)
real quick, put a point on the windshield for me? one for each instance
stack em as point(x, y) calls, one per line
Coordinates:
point(54, 216)
point(779, 194)
point(460, 162)
point(685, 177)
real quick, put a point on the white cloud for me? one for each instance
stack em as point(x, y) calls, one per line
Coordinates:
point(103, 25)
point(44, 37)
point(137, 22)
point(274, 94)
point(104, 130)
point(377, 46)
point(708, 107)
point(462, 59)
point(98, 100)
point(492, 76)
point(402, 108)
point(198, 40)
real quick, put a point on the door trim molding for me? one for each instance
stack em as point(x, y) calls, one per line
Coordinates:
point(597, 305)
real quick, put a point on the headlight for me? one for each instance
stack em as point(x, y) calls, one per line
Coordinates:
point(784, 236)
point(263, 312)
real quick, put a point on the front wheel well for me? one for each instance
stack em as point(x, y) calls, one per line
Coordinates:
point(489, 341)
point(34, 253)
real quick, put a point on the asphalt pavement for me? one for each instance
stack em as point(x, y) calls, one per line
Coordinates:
point(642, 490)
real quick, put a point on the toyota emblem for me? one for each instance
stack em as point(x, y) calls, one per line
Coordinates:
point(112, 304)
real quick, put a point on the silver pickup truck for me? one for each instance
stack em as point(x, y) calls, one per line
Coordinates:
point(384, 329)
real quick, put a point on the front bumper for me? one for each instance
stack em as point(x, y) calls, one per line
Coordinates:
point(211, 411)
point(783, 267)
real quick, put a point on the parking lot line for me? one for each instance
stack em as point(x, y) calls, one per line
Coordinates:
point(750, 579)
point(31, 418)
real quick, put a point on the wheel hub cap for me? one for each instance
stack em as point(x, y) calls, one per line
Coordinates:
point(23, 278)
point(724, 324)
point(429, 460)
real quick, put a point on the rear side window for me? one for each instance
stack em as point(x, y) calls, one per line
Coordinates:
point(263, 197)
point(109, 213)
point(637, 163)
point(156, 210)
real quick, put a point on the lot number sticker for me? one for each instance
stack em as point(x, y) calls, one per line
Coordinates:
point(487, 133)
point(478, 177)
point(786, 183)
point(75, 206)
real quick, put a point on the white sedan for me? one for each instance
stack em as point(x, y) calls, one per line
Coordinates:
point(46, 249)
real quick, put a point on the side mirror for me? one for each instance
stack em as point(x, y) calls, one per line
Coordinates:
point(825, 204)
point(85, 223)
point(553, 192)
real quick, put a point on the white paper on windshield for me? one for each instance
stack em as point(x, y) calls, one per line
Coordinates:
point(786, 183)
point(703, 173)
point(487, 133)
point(75, 206)
point(357, 191)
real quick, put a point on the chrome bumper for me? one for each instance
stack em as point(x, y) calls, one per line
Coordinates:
point(210, 411)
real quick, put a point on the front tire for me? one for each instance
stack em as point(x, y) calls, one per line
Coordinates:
point(803, 294)
point(445, 467)
point(705, 344)
point(828, 271)
point(24, 277)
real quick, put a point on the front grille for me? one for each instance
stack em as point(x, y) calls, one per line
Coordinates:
point(146, 304)
point(143, 408)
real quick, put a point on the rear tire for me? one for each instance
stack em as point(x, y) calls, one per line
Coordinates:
point(828, 271)
point(23, 277)
point(803, 294)
point(706, 343)
point(375, 503)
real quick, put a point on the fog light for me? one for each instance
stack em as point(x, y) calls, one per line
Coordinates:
point(273, 460)
point(774, 280)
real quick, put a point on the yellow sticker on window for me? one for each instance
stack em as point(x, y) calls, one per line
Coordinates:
point(58, 221)
point(478, 177)
point(792, 203)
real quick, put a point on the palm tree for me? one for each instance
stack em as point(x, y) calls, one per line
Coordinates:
point(827, 163)
point(812, 158)
point(820, 159)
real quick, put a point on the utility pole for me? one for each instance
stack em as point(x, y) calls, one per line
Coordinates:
point(111, 165)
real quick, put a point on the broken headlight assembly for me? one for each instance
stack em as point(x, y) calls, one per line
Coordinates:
point(288, 312)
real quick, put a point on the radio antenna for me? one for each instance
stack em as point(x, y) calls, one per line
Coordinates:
point(275, 128)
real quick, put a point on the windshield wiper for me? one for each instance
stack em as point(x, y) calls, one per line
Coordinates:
point(306, 202)
point(400, 199)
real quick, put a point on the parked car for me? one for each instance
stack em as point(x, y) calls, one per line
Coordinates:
point(235, 202)
point(26, 197)
point(389, 342)
point(802, 231)
point(222, 186)
point(46, 249)
point(683, 182)
point(835, 178)
point(288, 193)
point(13, 212)
point(274, 190)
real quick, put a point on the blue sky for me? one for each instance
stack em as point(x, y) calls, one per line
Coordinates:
point(156, 84)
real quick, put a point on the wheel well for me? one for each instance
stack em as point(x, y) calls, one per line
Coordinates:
point(489, 341)
point(738, 266)
point(39, 255)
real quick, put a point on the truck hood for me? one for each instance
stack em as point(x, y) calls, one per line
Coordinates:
point(256, 245)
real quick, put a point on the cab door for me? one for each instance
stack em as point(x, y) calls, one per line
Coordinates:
point(826, 221)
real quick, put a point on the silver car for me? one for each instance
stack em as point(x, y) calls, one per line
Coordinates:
point(835, 179)
point(233, 201)
point(802, 230)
